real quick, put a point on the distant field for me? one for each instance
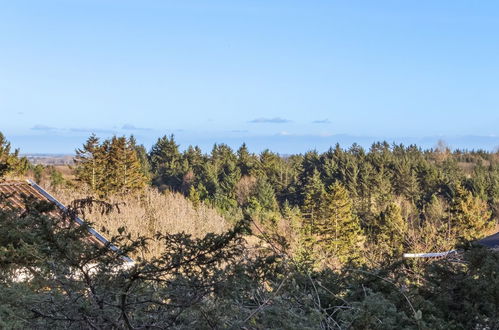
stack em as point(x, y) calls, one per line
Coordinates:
point(50, 159)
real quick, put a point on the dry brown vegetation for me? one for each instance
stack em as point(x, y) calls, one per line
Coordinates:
point(149, 213)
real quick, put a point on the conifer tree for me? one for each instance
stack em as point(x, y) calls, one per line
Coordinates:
point(123, 168)
point(5, 162)
point(4, 155)
point(405, 180)
point(166, 165)
point(265, 195)
point(110, 167)
point(142, 156)
point(314, 194)
point(224, 176)
point(90, 164)
point(245, 161)
point(195, 159)
point(364, 190)
point(339, 230)
point(381, 187)
point(390, 231)
point(470, 216)
point(10, 162)
point(273, 168)
point(194, 196)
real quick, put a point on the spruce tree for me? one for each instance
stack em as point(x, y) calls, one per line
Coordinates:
point(224, 176)
point(339, 230)
point(195, 160)
point(245, 161)
point(110, 167)
point(271, 166)
point(470, 216)
point(265, 194)
point(10, 162)
point(314, 194)
point(166, 165)
point(90, 163)
point(123, 168)
point(404, 179)
point(390, 231)
point(194, 196)
point(4, 155)
point(142, 156)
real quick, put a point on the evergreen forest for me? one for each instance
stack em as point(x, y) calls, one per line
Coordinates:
point(233, 239)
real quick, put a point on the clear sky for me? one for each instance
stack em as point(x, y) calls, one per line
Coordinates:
point(285, 75)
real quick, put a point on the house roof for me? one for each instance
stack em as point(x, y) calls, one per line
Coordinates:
point(491, 241)
point(15, 192)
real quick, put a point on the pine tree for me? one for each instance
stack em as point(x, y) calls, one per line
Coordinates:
point(166, 165)
point(470, 216)
point(381, 188)
point(224, 176)
point(4, 155)
point(195, 160)
point(142, 156)
point(275, 169)
point(339, 230)
point(245, 161)
point(123, 168)
point(314, 194)
point(110, 167)
point(10, 162)
point(390, 231)
point(90, 164)
point(194, 196)
point(265, 195)
point(405, 180)
point(193, 165)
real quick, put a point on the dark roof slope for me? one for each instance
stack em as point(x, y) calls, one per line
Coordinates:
point(491, 241)
point(14, 193)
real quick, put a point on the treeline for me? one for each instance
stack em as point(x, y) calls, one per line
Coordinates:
point(329, 206)
point(331, 230)
point(112, 166)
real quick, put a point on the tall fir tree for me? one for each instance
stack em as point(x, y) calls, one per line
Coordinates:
point(339, 230)
point(142, 156)
point(90, 164)
point(224, 174)
point(272, 166)
point(166, 163)
point(110, 167)
point(123, 168)
point(10, 162)
point(390, 231)
point(470, 216)
point(245, 161)
point(314, 194)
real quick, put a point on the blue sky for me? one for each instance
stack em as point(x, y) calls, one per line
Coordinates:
point(284, 75)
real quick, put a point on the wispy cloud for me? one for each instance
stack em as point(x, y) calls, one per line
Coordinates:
point(322, 121)
point(39, 127)
point(275, 120)
point(130, 127)
point(92, 130)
